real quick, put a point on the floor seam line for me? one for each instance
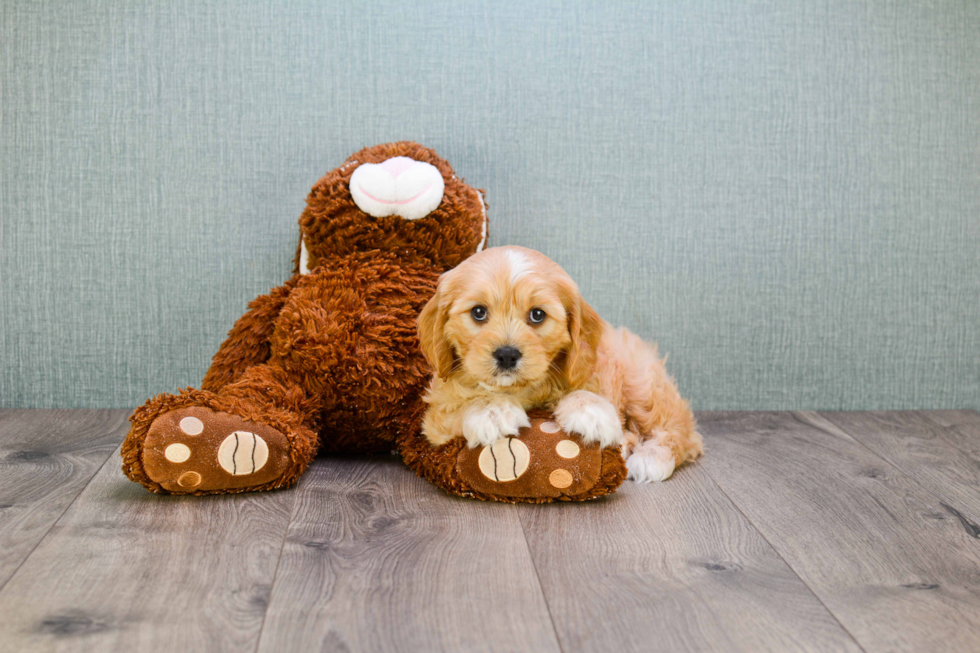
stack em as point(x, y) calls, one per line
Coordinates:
point(924, 414)
point(925, 488)
point(275, 574)
point(537, 577)
point(785, 561)
point(60, 517)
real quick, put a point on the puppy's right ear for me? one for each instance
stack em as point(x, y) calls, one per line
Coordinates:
point(585, 330)
point(432, 332)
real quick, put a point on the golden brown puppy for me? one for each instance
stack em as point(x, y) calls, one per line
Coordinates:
point(507, 330)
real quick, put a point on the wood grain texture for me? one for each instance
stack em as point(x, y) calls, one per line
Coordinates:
point(46, 459)
point(879, 549)
point(797, 531)
point(671, 567)
point(377, 559)
point(940, 449)
point(963, 427)
point(127, 570)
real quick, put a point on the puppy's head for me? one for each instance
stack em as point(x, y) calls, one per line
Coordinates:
point(509, 317)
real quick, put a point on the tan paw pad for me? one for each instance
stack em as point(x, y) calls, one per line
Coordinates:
point(560, 478)
point(505, 460)
point(189, 480)
point(567, 449)
point(192, 426)
point(243, 453)
point(177, 453)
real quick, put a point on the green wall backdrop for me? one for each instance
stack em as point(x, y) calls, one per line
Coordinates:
point(785, 194)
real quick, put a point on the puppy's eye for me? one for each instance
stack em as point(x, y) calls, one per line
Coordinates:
point(536, 316)
point(479, 313)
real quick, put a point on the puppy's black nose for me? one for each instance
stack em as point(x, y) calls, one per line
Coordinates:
point(507, 357)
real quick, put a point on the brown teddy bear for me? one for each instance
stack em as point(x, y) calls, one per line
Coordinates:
point(330, 360)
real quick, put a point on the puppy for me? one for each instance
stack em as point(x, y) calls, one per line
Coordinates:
point(507, 330)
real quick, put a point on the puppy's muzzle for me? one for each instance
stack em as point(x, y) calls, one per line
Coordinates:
point(507, 357)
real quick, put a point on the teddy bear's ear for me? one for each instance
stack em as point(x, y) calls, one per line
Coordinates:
point(302, 262)
point(398, 186)
point(432, 333)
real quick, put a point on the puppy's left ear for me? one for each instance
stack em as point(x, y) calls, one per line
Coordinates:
point(585, 330)
point(432, 333)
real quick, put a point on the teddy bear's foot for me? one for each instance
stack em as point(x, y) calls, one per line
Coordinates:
point(199, 450)
point(542, 464)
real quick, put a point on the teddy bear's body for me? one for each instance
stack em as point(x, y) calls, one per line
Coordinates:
point(330, 359)
point(339, 342)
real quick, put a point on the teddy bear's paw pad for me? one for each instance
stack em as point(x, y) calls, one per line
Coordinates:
point(504, 460)
point(542, 462)
point(197, 449)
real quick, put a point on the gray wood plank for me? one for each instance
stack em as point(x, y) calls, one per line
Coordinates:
point(943, 458)
point(877, 548)
point(127, 570)
point(962, 429)
point(377, 559)
point(671, 567)
point(46, 459)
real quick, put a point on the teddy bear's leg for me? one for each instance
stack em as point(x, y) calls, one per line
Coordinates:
point(348, 337)
point(543, 463)
point(256, 434)
point(248, 342)
point(343, 361)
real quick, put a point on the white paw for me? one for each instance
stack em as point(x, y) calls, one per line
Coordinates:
point(650, 462)
point(592, 417)
point(484, 425)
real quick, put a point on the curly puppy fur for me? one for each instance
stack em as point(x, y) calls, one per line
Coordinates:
point(508, 330)
point(331, 358)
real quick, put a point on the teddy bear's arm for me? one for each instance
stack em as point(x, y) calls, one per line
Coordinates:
point(247, 343)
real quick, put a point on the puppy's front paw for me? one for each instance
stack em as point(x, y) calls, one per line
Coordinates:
point(484, 425)
point(649, 463)
point(591, 416)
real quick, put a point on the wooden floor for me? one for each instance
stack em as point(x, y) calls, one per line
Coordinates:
point(798, 531)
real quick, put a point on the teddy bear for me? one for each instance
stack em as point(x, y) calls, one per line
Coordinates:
point(330, 361)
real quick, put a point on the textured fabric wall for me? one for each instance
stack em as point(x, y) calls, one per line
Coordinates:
point(785, 194)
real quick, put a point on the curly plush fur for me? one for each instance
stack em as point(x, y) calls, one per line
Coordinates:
point(330, 359)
